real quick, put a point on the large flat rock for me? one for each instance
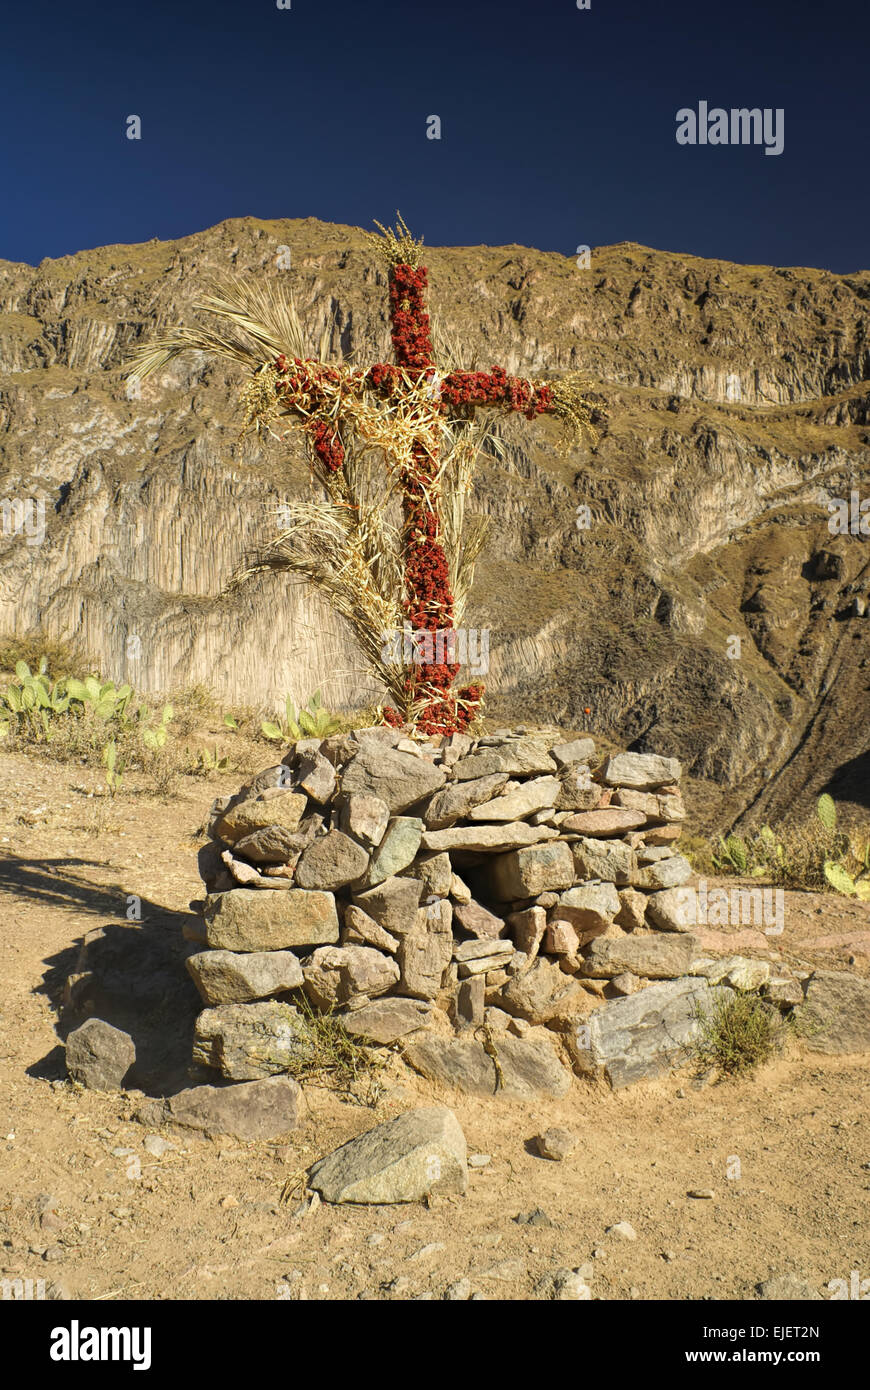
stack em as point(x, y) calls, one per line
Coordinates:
point(397, 778)
point(235, 977)
point(836, 1016)
point(265, 1109)
point(643, 771)
point(658, 957)
point(644, 1035)
point(421, 1153)
point(488, 839)
point(249, 1041)
point(254, 919)
point(529, 1069)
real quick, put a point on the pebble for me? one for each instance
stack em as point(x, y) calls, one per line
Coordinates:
point(376, 1239)
point(460, 1292)
point(479, 1160)
point(533, 1218)
point(157, 1146)
point(426, 1251)
point(703, 1193)
point(556, 1144)
point(624, 1229)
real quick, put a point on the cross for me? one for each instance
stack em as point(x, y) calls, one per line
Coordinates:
point(428, 398)
point(401, 408)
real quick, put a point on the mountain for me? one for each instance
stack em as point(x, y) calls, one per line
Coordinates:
point(738, 398)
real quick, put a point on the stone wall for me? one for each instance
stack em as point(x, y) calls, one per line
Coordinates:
point(506, 909)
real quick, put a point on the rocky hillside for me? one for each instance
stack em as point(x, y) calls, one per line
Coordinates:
point(739, 404)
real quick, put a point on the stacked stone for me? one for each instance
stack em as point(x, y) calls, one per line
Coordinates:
point(423, 890)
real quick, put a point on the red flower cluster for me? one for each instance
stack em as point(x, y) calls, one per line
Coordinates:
point(327, 445)
point(409, 318)
point(495, 387)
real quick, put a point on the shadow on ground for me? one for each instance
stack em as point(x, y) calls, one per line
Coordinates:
point(131, 974)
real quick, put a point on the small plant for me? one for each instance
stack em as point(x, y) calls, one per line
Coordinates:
point(154, 739)
point(336, 1059)
point(230, 723)
point(209, 760)
point(835, 870)
point(314, 721)
point(738, 1033)
point(114, 773)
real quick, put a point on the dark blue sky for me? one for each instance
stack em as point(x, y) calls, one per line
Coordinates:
point(558, 125)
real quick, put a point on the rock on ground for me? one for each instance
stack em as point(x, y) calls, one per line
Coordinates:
point(528, 1068)
point(250, 1041)
point(264, 1109)
point(836, 1016)
point(99, 1056)
point(421, 1153)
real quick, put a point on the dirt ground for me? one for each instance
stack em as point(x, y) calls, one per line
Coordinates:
point(786, 1152)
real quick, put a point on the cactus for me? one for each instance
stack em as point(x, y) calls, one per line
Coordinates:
point(827, 811)
point(314, 721)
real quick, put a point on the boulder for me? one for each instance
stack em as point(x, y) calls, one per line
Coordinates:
point(665, 873)
point(477, 920)
point(315, 775)
point(249, 1041)
point(425, 951)
point(399, 779)
point(528, 1069)
point(488, 839)
point(363, 816)
point(459, 798)
point(632, 909)
point(528, 929)
point(234, 977)
point(274, 844)
point(518, 757)
point(652, 957)
point(266, 1109)
point(384, 1021)
point(516, 805)
point(577, 791)
point(523, 873)
point(613, 820)
point(578, 750)
point(393, 904)
point(590, 906)
point(644, 1035)
point(336, 975)
point(673, 909)
point(434, 872)
point(643, 771)
point(99, 1056)
point(332, 861)
point(362, 930)
point(540, 993)
point(836, 1018)
point(285, 808)
point(420, 1154)
point(254, 919)
point(396, 850)
point(609, 860)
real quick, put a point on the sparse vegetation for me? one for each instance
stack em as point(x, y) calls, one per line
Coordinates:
point(313, 721)
point(737, 1034)
point(337, 1060)
point(814, 855)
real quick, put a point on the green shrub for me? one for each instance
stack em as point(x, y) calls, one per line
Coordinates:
point(314, 721)
point(738, 1033)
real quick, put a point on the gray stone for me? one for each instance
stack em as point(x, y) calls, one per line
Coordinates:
point(590, 906)
point(384, 1021)
point(643, 1036)
point(643, 771)
point(565, 1286)
point(836, 1018)
point(266, 1109)
point(488, 839)
point(523, 873)
point(285, 809)
point(517, 757)
point(396, 850)
point(478, 920)
point(425, 952)
point(252, 919)
point(337, 975)
point(528, 1068)
point(250, 1041)
point(393, 904)
point(787, 1288)
point(673, 909)
point(421, 1153)
point(608, 860)
point(470, 1001)
point(399, 779)
point(233, 977)
point(362, 930)
point(667, 873)
point(600, 825)
point(99, 1056)
point(529, 797)
point(784, 992)
point(363, 816)
point(315, 775)
point(738, 972)
point(556, 1144)
point(578, 750)
point(540, 993)
point(459, 798)
point(434, 872)
point(653, 957)
point(273, 845)
point(528, 929)
point(577, 791)
point(332, 861)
